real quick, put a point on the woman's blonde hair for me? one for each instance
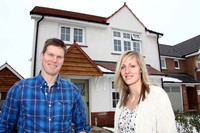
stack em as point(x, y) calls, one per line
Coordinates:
point(121, 86)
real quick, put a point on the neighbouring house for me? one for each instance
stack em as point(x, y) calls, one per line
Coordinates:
point(8, 77)
point(181, 64)
point(94, 45)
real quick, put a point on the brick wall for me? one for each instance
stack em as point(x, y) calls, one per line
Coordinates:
point(198, 95)
point(185, 99)
point(170, 67)
point(198, 76)
point(190, 67)
point(102, 118)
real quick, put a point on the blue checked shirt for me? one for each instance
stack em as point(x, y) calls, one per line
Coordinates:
point(35, 110)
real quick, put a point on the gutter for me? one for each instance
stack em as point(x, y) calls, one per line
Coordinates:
point(157, 34)
point(159, 59)
point(36, 43)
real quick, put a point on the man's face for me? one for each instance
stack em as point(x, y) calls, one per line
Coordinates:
point(52, 60)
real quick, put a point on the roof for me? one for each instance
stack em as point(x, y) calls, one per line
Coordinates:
point(180, 78)
point(77, 62)
point(182, 49)
point(189, 46)
point(8, 77)
point(112, 65)
point(6, 65)
point(167, 50)
point(44, 11)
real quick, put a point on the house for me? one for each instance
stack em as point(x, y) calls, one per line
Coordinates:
point(94, 45)
point(181, 65)
point(8, 77)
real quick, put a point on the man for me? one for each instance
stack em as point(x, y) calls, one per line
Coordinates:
point(45, 103)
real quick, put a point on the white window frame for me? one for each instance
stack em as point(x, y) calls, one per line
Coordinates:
point(164, 61)
point(198, 63)
point(113, 91)
point(128, 38)
point(72, 34)
point(135, 36)
point(139, 46)
point(176, 60)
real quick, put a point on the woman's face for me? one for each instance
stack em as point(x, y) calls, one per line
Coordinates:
point(131, 72)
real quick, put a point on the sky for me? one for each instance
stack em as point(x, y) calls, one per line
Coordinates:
point(178, 20)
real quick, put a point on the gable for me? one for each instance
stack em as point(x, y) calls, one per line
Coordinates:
point(8, 77)
point(124, 18)
point(77, 62)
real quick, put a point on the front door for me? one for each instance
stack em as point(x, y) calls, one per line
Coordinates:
point(192, 98)
point(83, 85)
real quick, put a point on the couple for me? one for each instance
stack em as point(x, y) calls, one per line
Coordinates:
point(47, 103)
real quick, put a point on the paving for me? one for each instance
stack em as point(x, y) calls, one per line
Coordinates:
point(98, 130)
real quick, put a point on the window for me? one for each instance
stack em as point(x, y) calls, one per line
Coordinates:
point(117, 34)
point(81, 87)
point(167, 89)
point(126, 35)
point(163, 63)
point(65, 33)
point(175, 89)
point(198, 63)
point(115, 96)
point(136, 46)
point(78, 35)
point(176, 64)
point(135, 36)
point(127, 45)
point(172, 89)
point(117, 45)
point(124, 41)
point(69, 34)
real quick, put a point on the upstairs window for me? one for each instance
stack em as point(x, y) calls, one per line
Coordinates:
point(69, 34)
point(198, 63)
point(127, 45)
point(124, 41)
point(163, 63)
point(176, 64)
point(135, 36)
point(136, 46)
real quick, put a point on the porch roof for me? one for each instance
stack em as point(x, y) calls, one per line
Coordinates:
point(180, 78)
point(112, 65)
point(77, 62)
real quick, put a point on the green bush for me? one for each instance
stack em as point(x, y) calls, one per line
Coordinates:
point(187, 121)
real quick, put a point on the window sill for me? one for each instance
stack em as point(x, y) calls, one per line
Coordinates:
point(78, 44)
point(116, 53)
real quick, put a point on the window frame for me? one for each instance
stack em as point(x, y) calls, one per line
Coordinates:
point(134, 38)
point(116, 93)
point(198, 63)
point(164, 61)
point(172, 89)
point(125, 37)
point(176, 60)
point(72, 34)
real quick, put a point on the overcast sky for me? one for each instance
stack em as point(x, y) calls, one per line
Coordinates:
point(178, 20)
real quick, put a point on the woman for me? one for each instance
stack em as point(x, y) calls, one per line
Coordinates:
point(143, 107)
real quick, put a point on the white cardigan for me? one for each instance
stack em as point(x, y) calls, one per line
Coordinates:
point(154, 114)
